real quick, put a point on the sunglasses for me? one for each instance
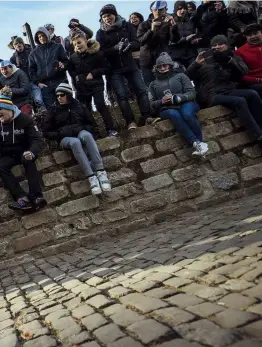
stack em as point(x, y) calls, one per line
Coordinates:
point(60, 95)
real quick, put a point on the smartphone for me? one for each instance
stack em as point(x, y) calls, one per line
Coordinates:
point(208, 53)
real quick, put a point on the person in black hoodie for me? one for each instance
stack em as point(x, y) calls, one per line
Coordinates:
point(118, 40)
point(20, 59)
point(73, 25)
point(69, 123)
point(154, 36)
point(20, 143)
point(87, 67)
point(185, 41)
point(215, 74)
point(47, 65)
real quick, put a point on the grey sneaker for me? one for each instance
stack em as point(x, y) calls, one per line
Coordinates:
point(94, 185)
point(201, 148)
point(104, 181)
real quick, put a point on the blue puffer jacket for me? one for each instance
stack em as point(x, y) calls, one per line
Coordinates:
point(44, 60)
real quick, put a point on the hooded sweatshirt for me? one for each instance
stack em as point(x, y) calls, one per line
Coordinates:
point(20, 86)
point(252, 56)
point(20, 135)
point(44, 60)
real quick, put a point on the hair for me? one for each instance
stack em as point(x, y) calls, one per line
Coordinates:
point(76, 34)
point(192, 4)
point(139, 15)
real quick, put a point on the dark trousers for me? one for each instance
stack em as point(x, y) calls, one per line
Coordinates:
point(148, 75)
point(247, 105)
point(101, 107)
point(48, 93)
point(257, 87)
point(135, 80)
point(12, 184)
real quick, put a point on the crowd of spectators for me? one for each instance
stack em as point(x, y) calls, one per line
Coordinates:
point(174, 63)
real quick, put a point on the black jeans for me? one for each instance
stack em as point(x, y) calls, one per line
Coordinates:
point(257, 87)
point(148, 75)
point(135, 80)
point(101, 107)
point(48, 93)
point(12, 184)
point(247, 105)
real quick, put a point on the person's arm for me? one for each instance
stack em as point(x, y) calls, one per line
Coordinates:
point(23, 87)
point(189, 93)
point(132, 37)
point(13, 60)
point(251, 79)
point(235, 23)
point(102, 66)
point(48, 128)
point(33, 69)
point(144, 35)
point(71, 68)
point(89, 33)
point(62, 57)
point(36, 144)
point(107, 50)
point(155, 103)
point(238, 66)
point(192, 70)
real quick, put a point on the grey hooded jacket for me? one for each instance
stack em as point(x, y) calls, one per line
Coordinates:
point(44, 60)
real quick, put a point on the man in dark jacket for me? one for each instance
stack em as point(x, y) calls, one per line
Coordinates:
point(118, 40)
point(19, 83)
point(87, 67)
point(21, 60)
point(20, 143)
point(73, 25)
point(154, 36)
point(185, 42)
point(53, 36)
point(47, 65)
point(215, 74)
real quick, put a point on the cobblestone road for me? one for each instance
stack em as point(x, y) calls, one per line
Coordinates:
point(189, 283)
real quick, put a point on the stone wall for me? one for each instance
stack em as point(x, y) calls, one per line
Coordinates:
point(154, 177)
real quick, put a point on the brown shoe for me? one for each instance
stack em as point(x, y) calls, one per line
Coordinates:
point(132, 126)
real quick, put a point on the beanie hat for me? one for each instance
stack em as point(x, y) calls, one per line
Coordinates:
point(6, 99)
point(5, 63)
point(18, 40)
point(179, 4)
point(73, 20)
point(111, 9)
point(164, 59)
point(252, 28)
point(219, 39)
point(64, 87)
point(158, 5)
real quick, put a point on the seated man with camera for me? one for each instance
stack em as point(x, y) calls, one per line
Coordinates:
point(215, 74)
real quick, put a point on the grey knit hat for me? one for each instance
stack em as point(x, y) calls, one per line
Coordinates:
point(164, 59)
point(18, 40)
point(64, 87)
point(219, 39)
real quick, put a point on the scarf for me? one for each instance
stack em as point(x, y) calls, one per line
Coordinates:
point(241, 7)
point(117, 25)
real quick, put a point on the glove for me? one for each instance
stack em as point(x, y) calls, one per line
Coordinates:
point(127, 46)
point(120, 45)
point(176, 99)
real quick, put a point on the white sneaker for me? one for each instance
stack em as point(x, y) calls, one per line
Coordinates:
point(104, 181)
point(94, 185)
point(201, 148)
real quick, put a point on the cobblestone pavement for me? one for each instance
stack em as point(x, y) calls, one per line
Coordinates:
point(193, 282)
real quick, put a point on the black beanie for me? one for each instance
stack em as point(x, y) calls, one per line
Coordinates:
point(73, 20)
point(219, 39)
point(179, 4)
point(111, 9)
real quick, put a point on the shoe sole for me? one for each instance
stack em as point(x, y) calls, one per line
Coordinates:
point(107, 189)
point(21, 209)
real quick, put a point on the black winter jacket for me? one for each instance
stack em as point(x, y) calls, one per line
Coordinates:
point(69, 46)
point(21, 59)
point(92, 61)
point(20, 135)
point(67, 121)
point(44, 60)
point(20, 86)
point(217, 75)
point(180, 48)
point(153, 43)
point(119, 62)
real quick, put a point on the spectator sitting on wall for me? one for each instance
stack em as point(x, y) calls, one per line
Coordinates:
point(87, 67)
point(118, 40)
point(154, 36)
point(18, 82)
point(20, 59)
point(215, 74)
point(53, 36)
point(47, 65)
point(172, 95)
point(21, 143)
point(73, 25)
point(251, 53)
point(69, 123)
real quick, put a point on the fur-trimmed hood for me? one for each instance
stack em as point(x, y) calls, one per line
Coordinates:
point(93, 46)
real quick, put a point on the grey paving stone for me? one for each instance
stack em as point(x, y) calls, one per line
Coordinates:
point(255, 292)
point(82, 311)
point(77, 339)
point(94, 321)
point(34, 328)
point(118, 291)
point(184, 300)
point(125, 342)
point(179, 343)
point(125, 317)
point(205, 309)
point(231, 318)
point(99, 301)
point(91, 344)
point(10, 341)
point(42, 341)
point(238, 301)
point(248, 343)
point(148, 330)
point(236, 285)
point(142, 302)
point(172, 316)
point(177, 282)
point(160, 293)
point(108, 333)
point(254, 330)
point(256, 309)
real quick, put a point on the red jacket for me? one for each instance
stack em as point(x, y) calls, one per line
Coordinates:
point(252, 55)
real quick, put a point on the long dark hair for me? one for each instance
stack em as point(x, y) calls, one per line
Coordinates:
point(139, 15)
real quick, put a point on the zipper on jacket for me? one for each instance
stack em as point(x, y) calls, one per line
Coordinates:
point(120, 57)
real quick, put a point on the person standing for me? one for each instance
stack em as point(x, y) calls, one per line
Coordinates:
point(53, 36)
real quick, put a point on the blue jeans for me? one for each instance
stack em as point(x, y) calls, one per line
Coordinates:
point(185, 121)
point(135, 80)
point(247, 105)
point(37, 97)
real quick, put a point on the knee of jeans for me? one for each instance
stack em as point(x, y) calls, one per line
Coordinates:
point(253, 94)
point(74, 143)
point(84, 135)
point(187, 114)
point(239, 102)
